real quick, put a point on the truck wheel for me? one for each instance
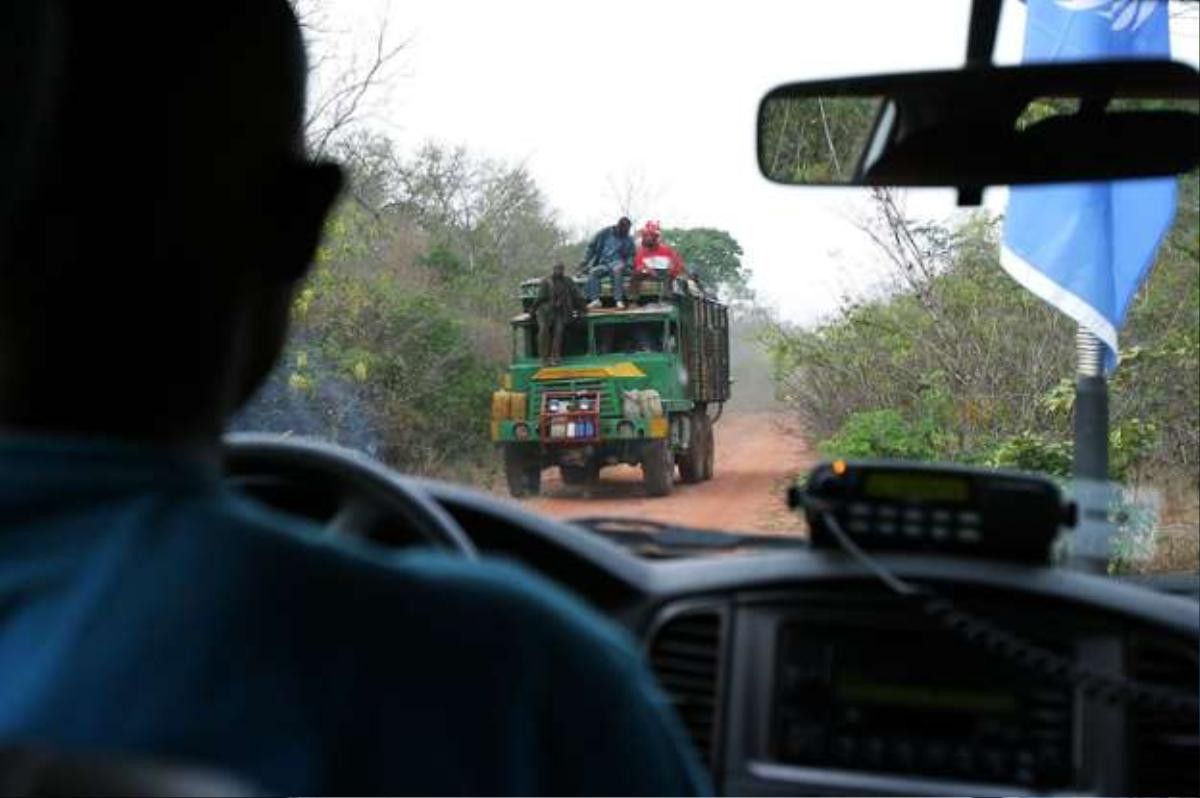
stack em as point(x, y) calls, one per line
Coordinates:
point(523, 472)
point(579, 475)
point(658, 467)
point(691, 461)
point(710, 450)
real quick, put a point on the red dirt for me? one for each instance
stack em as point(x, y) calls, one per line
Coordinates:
point(757, 454)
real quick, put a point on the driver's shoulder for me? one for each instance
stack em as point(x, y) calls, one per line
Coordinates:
point(358, 585)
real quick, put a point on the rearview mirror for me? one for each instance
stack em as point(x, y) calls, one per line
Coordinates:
point(978, 127)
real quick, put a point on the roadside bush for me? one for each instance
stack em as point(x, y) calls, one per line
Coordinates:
point(878, 433)
point(1029, 451)
point(973, 368)
point(955, 361)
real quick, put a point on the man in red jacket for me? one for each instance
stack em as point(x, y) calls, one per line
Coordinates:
point(654, 260)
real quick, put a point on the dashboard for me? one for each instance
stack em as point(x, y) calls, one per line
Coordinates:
point(795, 672)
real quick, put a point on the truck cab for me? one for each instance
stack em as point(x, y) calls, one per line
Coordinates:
point(642, 385)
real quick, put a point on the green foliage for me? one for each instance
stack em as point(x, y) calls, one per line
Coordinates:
point(441, 260)
point(957, 362)
point(400, 332)
point(1029, 451)
point(878, 434)
point(714, 257)
point(815, 140)
point(1131, 442)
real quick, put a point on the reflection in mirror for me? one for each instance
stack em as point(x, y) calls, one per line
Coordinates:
point(973, 128)
point(814, 139)
point(1043, 108)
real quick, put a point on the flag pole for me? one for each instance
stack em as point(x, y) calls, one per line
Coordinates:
point(1091, 454)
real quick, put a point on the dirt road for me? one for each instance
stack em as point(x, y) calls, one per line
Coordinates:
point(756, 455)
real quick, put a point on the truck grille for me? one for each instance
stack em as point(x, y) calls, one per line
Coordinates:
point(610, 402)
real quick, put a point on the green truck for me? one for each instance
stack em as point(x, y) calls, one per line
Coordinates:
point(642, 385)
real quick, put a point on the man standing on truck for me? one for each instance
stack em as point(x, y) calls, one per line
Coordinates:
point(557, 300)
point(654, 259)
point(609, 253)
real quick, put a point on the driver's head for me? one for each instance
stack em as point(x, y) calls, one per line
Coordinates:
point(154, 257)
point(558, 270)
point(623, 225)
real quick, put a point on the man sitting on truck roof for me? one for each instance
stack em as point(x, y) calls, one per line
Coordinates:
point(654, 259)
point(609, 254)
point(558, 298)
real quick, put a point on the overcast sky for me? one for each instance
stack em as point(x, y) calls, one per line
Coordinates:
point(592, 97)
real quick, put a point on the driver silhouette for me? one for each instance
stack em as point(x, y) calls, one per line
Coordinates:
point(148, 258)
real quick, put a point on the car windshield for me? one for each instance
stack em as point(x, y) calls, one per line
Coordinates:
point(761, 328)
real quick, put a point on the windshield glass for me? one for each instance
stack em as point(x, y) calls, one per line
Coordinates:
point(630, 337)
point(525, 340)
point(794, 324)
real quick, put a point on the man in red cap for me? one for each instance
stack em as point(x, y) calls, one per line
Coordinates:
point(654, 260)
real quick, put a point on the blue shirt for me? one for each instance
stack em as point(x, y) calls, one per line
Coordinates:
point(609, 246)
point(145, 608)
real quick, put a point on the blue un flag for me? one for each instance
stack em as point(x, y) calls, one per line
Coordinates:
point(1086, 247)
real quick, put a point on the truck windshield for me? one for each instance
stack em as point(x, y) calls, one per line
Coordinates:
point(574, 343)
point(629, 337)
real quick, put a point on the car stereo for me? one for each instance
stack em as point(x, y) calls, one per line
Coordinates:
point(935, 708)
point(945, 508)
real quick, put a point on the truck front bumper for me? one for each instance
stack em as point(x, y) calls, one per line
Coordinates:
point(611, 429)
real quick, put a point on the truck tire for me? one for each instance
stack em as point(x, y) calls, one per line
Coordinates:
point(691, 461)
point(524, 473)
point(658, 467)
point(579, 474)
point(710, 450)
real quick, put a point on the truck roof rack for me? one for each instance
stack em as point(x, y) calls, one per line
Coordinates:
point(653, 292)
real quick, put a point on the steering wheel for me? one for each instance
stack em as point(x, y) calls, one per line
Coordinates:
point(345, 492)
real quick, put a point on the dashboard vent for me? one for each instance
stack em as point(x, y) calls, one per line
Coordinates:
point(1165, 745)
point(685, 654)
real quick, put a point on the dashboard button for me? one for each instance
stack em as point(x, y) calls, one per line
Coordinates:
point(888, 511)
point(804, 742)
point(970, 519)
point(935, 756)
point(938, 532)
point(996, 763)
point(886, 527)
point(1049, 758)
point(1024, 771)
point(963, 760)
point(968, 534)
point(904, 754)
point(914, 531)
point(860, 509)
point(872, 752)
point(858, 526)
point(844, 749)
point(940, 516)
